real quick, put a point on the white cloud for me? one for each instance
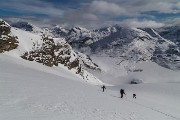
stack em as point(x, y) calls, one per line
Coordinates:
point(103, 7)
point(98, 12)
point(173, 21)
point(32, 7)
point(135, 7)
point(89, 16)
point(142, 23)
point(161, 7)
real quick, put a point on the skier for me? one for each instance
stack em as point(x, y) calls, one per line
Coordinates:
point(134, 96)
point(103, 87)
point(122, 92)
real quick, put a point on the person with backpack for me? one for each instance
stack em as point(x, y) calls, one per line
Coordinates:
point(122, 92)
point(134, 96)
point(103, 87)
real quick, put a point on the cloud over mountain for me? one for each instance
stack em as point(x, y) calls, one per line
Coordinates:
point(93, 13)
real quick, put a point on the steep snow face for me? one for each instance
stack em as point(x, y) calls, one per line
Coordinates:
point(162, 43)
point(167, 53)
point(26, 41)
point(171, 33)
point(132, 44)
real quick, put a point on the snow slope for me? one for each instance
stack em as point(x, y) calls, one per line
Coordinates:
point(117, 71)
point(29, 91)
point(25, 39)
point(32, 91)
point(29, 41)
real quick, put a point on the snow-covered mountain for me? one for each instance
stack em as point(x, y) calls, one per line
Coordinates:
point(120, 48)
point(50, 82)
point(59, 31)
point(81, 37)
point(26, 26)
point(124, 43)
point(129, 43)
point(171, 33)
point(23, 25)
point(167, 53)
point(42, 48)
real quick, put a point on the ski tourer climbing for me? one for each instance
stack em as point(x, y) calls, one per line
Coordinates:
point(134, 96)
point(103, 87)
point(122, 92)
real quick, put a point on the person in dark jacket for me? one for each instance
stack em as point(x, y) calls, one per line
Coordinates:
point(122, 92)
point(134, 96)
point(103, 87)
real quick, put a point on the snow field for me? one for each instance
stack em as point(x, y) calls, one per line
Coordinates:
point(37, 94)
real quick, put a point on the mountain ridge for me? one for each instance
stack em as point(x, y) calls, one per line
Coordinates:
point(132, 43)
point(43, 48)
point(127, 46)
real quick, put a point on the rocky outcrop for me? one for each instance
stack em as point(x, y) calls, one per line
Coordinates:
point(87, 62)
point(79, 37)
point(53, 51)
point(23, 25)
point(7, 41)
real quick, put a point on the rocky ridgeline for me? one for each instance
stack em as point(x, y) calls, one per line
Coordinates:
point(7, 41)
point(52, 52)
point(132, 44)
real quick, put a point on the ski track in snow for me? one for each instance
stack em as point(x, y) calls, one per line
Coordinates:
point(45, 96)
point(29, 91)
point(166, 114)
point(147, 107)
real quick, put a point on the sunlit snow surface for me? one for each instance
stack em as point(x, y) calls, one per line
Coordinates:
point(31, 91)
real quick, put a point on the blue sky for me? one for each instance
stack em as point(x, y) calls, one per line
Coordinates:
point(137, 13)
